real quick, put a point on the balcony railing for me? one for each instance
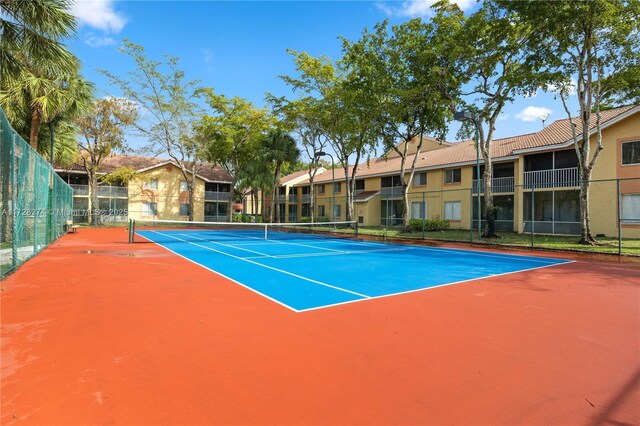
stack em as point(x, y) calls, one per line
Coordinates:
point(556, 178)
point(306, 198)
point(292, 198)
point(103, 191)
point(391, 192)
point(216, 196)
point(503, 184)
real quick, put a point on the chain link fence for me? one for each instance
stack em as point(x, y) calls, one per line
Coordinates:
point(35, 201)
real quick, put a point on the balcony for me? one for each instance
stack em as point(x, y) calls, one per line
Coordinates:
point(103, 191)
point(498, 185)
point(306, 198)
point(293, 198)
point(556, 178)
point(216, 196)
point(391, 192)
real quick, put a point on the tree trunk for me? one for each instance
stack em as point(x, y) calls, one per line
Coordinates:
point(94, 204)
point(35, 129)
point(275, 204)
point(191, 199)
point(585, 225)
point(490, 211)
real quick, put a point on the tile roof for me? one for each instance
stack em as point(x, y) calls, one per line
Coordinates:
point(293, 176)
point(207, 171)
point(556, 133)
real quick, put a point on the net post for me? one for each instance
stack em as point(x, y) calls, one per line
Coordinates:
point(266, 232)
point(356, 229)
point(131, 230)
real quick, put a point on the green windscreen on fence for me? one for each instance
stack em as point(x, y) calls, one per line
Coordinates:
point(35, 202)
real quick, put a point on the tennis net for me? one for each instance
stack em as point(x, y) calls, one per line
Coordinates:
point(233, 231)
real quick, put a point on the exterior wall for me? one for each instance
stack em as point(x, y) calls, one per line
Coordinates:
point(609, 166)
point(168, 196)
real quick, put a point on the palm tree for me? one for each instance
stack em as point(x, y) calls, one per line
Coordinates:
point(36, 96)
point(32, 29)
point(279, 147)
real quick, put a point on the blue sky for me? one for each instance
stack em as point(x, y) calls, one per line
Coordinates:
point(239, 47)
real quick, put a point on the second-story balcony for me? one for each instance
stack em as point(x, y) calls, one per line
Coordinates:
point(216, 196)
point(555, 178)
point(103, 191)
point(306, 198)
point(293, 198)
point(498, 185)
point(391, 192)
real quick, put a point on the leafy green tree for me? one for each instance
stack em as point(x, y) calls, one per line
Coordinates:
point(255, 180)
point(304, 117)
point(278, 148)
point(30, 32)
point(343, 117)
point(102, 131)
point(596, 43)
point(400, 76)
point(496, 67)
point(232, 130)
point(37, 96)
point(168, 110)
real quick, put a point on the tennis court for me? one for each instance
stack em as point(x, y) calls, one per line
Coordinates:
point(99, 331)
point(311, 266)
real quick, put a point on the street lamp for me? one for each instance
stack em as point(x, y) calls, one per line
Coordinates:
point(316, 156)
point(469, 116)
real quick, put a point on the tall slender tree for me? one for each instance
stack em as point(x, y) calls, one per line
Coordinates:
point(102, 132)
point(594, 43)
point(168, 110)
point(278, 148)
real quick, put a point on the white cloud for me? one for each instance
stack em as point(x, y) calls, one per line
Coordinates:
point(532, 113)
point(415, 8)
point(207, 56)
point(99, 14)
point(95, 41)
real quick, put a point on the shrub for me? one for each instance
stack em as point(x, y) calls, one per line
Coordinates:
point(429, 225)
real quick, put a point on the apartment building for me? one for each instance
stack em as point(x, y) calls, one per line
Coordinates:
point(158, 191)
point(535, 182)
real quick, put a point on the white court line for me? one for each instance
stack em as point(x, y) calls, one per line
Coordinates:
point(304, 245)
point(288, 256)
point(264, 266)
point(435, 286)
point(227, 245)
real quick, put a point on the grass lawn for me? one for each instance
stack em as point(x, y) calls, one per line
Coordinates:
point(555, 242)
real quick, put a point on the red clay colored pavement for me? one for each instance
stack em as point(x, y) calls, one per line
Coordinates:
point(134, 335)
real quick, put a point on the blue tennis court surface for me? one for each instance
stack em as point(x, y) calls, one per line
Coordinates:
point(308, 272)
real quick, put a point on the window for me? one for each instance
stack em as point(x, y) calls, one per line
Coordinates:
point(360, 185)
point(321, 211)
point(150, 184)
point(320, 189)
point(453, 176)
point(184, 209)
point(337, 210)
point(149, 209)
point(630, 208)
point(337, 187)
point(390, 181)
point(420, 179)
point(184, 186)
point(418, 210)
point(631, 152)
point(452, 210)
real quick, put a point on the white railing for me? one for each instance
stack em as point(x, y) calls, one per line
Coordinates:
point(306, 198)
point(503, 184)
point(556, 178)
point(216, 196)
point(103, 191)
point(391, 192)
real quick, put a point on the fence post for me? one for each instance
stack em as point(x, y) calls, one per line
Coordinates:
point(471, 204)
point(619, 217)
point(424, 212)
point(533, 211)
point(14, 202)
